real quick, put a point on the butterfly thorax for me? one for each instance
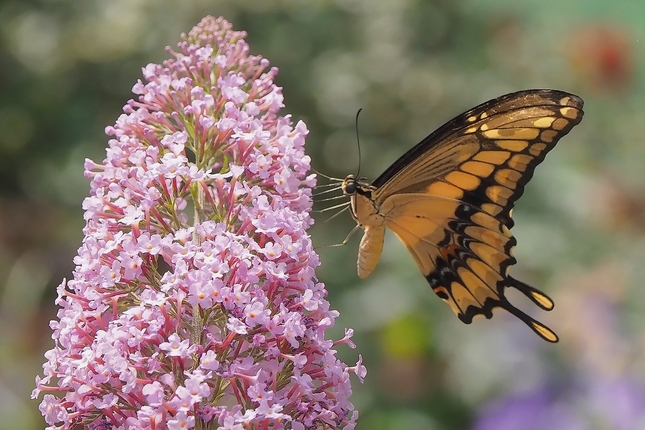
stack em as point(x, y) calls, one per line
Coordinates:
point(364, 209)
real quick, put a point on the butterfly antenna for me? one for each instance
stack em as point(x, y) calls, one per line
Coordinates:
point(358, 143)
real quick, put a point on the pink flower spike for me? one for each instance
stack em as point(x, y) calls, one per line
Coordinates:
point(359, 369)
point(181, 421)
point(194, 301)
point(347, 339)
point(176, 347)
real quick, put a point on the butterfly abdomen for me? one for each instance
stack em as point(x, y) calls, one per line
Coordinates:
point(370, 249)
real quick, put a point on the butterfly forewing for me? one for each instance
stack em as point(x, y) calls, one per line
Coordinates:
point(449, 199)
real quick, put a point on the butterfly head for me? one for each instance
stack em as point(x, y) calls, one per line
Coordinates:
point(352, 186)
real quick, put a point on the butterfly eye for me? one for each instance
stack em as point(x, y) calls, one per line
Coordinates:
point(349, 187)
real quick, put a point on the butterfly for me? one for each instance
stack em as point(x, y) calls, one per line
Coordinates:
point(449, 199)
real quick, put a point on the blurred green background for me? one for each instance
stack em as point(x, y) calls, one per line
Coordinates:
point(67, 68)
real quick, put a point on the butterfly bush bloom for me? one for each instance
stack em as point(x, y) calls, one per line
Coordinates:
point(194, 302)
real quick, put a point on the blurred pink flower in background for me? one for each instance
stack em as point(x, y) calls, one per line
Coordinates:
point(605, 388)
point(603, 56)
point(194, 302)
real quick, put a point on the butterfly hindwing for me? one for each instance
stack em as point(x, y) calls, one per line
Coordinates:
point(464, 257)
point(449, 199)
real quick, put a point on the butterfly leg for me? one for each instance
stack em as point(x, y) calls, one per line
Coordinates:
point(344, 242)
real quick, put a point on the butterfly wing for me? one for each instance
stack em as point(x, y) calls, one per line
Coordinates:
point(464, 253)
point(449, 198)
